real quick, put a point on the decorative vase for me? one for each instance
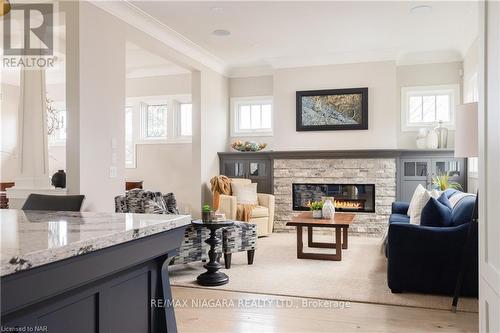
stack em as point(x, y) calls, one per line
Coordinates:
point(422, 138)
point(59, 179)
point(432, 140)
point(442, 134)
point(328, 209)
point(317, 214)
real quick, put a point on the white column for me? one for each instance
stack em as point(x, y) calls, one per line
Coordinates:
point(32, 149)
point(489, 164)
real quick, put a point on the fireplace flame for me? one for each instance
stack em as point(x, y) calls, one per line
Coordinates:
point(343, 204)
point(347, 204)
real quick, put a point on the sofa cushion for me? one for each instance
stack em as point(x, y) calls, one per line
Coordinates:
point(443, 199)
point(463, 209)
point(399, 218)
point(259, 211)
point(450, 192)
point(437, 212)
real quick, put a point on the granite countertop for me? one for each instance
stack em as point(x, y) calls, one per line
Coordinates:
point(35, 238)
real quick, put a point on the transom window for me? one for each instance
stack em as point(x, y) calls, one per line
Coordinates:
point(426, 106)
point(185, 124)
point(252, 116)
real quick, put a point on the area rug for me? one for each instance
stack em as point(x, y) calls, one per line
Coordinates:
point(359, 277)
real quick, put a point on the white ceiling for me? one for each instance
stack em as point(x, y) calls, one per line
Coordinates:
point(142, 63)
point(289, 34)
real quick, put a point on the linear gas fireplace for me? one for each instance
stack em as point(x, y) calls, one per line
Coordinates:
point(347, 197)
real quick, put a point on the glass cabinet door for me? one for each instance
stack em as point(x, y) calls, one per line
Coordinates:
point(234, 169)
point(415, 169)
point(450, 167)
point(257, 169)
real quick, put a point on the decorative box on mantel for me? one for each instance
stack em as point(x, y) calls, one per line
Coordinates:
point(395, 173)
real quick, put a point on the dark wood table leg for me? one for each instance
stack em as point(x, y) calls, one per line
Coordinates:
point(344, 237)
point(320, 256)
point(338, 243)
point(323, 245)
point(299, 242)
point(310, 237)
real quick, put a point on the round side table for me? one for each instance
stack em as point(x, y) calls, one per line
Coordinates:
point(212, 277)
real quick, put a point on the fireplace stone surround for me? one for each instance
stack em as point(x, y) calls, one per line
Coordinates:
point(378, 171)
point(276, 171)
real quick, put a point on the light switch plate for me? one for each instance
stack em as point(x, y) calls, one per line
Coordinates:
point(112, 172)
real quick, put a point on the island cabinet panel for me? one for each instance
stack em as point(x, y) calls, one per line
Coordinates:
point(109, 290)
point(80, 316)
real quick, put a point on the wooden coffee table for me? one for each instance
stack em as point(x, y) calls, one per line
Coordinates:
point(340, 223)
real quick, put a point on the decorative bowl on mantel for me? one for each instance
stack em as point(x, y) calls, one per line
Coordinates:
point(248, 146)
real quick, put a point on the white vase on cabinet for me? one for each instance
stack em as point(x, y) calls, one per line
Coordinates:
point(432, 140)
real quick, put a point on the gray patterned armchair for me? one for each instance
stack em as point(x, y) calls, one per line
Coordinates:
point(237, 238)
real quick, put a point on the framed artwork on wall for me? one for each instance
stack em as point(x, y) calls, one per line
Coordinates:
point(332, 109)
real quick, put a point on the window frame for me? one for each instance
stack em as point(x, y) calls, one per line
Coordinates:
point(178, 121)
point(52, 141)
point(133, 163)
point(236, 102)
point(172, 118)
point(143, 107)
point(452, 90)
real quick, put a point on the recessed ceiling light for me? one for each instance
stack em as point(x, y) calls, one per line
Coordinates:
point(216, 9)
point(422, 9)
point(221, 32)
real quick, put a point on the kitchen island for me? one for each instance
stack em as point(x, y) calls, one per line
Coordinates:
point(87, 272)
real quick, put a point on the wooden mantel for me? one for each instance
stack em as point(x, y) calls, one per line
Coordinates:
point(362, 153)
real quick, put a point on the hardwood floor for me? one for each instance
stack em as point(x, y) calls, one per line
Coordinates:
point(211, 310)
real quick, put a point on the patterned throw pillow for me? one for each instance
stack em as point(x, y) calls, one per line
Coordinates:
point(245, 193)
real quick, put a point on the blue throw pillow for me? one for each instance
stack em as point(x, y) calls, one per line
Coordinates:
point(437, 212)
point(443, 198)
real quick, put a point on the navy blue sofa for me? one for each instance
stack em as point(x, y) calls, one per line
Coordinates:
point(427, 259)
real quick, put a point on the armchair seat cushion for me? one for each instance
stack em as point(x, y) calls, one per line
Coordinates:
point(260, 211)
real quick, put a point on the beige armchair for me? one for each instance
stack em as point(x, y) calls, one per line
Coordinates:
point(262, 215)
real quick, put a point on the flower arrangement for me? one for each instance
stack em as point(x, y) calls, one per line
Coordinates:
point(248, 146)
point(442, 182)
point(316, 207)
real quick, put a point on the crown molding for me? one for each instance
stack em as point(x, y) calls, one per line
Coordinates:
point(250, 71)
point(141, 20)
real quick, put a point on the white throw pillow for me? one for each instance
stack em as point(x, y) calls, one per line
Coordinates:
point(419, 191)
point(420, 198)
point(245, 193)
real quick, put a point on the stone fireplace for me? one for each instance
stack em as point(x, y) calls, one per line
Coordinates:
point(365, 186)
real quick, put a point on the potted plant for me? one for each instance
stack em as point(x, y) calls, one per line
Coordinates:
point(442, 182)
point(316, 207)
point(206, 213)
